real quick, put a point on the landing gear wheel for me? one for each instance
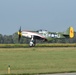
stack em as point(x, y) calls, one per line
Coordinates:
point(32, 43)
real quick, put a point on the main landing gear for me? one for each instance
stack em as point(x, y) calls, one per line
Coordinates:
point(32, 43)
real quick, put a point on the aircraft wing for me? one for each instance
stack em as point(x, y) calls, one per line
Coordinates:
point(35, 35)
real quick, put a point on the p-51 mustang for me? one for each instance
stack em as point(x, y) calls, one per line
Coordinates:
point(44, 35)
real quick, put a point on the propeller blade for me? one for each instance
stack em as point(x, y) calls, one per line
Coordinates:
point(19, 34)
point(20, 29)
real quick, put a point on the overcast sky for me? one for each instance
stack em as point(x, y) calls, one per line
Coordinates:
point(51, 15)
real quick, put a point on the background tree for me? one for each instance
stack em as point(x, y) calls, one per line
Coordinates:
point(8, 39)
point(1, 39)
point(13, 39)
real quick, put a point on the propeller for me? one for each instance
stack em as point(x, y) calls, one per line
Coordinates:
point(19, 34)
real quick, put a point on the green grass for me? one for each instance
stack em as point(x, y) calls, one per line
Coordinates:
point(38, 60)
point(38, 45)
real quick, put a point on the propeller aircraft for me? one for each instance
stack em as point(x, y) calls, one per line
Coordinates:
point(44, 35)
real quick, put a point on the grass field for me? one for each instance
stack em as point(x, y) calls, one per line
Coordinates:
point(38, 60)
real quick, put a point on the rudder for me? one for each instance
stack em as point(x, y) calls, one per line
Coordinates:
point(71, 32)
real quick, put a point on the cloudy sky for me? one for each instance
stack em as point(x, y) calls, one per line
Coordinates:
point(51, 15)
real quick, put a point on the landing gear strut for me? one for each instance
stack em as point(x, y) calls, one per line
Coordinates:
point(32, 42)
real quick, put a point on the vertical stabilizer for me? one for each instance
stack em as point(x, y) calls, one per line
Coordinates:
point(71, 32)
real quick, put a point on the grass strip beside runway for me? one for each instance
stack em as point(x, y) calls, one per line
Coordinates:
point(38, 60)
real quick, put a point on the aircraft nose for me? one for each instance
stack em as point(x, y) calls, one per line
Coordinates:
point(19, 34)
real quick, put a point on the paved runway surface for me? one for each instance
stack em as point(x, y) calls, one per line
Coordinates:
point(61, 74)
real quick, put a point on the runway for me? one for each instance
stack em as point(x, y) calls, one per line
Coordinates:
point(61, 74)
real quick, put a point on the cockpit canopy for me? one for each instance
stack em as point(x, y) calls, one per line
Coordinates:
point(43, 32)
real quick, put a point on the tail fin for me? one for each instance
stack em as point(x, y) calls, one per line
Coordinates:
point(70, 32)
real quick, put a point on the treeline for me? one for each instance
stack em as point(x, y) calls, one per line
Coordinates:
point(13, 39)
